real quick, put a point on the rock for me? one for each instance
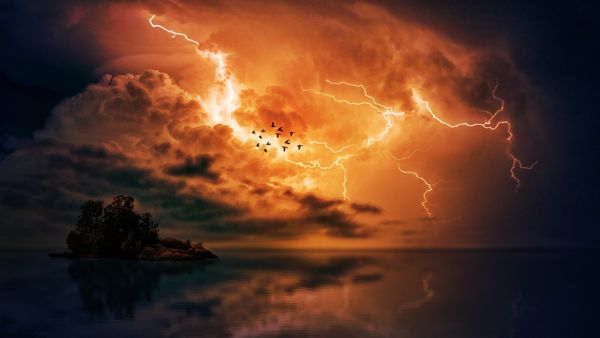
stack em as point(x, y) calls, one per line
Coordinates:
point(170, 249)
point(166, 249)
point(172, 243)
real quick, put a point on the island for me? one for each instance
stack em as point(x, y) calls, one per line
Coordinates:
point(117, 231)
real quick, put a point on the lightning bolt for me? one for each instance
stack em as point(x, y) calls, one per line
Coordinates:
point(429, 293)
point(215, 105)
point(386, 112)
point(429, 186)
point(223, 102)
point(489, 125)
point(337, 162)
point(427, 191)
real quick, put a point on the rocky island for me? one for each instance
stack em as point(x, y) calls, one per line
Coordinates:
point(117, 231)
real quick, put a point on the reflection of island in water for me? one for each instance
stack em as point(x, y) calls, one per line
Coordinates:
point(242, 296)
point(115, 286)
point(304, 294)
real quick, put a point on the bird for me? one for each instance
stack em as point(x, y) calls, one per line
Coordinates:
point(287, 142)
point(262, 130)
point(280, 129)
point(299, 146)
point(273, 124)
point(258, 145)
point(254, 132)
point(265, 150)
point(277, 134)
point(259, 136)
point(268, 143)
point(284, 148)
point(292, 133)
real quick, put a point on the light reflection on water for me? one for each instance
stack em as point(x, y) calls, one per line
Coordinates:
point(302, 294)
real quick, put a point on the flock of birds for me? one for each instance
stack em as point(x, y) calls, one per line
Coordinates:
point(278, 133)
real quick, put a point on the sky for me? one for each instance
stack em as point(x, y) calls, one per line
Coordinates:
point(422, 124)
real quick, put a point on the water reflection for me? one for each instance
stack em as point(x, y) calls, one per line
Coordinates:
point(279, 294)
point(116, 286)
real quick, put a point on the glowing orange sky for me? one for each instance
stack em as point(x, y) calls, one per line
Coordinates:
point(389, 112)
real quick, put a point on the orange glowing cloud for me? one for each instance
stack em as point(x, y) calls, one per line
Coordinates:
point(408, 137)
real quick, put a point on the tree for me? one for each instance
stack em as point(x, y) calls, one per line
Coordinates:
point(81, 240)
point(112, 231)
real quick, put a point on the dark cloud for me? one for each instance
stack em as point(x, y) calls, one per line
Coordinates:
point(316, 214)
point(162, 148)
point(365, 208)
point(367, 278)
point(68, 175)
point(334, 222)
point(338, 224)
point(315, 203)
point(199, 166)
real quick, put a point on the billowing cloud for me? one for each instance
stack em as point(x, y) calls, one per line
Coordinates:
point(143, 136)
point(396, 125)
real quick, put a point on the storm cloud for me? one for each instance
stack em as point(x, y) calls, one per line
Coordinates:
point(131, 135)
point(148, 128)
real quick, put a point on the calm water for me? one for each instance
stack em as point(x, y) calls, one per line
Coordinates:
point(295, 294)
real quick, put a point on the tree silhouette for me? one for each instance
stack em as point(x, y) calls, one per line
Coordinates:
point(112, 231)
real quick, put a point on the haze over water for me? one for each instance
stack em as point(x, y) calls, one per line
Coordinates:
point(303, 294)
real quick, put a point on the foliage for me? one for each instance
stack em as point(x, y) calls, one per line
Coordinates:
point(112, 231)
